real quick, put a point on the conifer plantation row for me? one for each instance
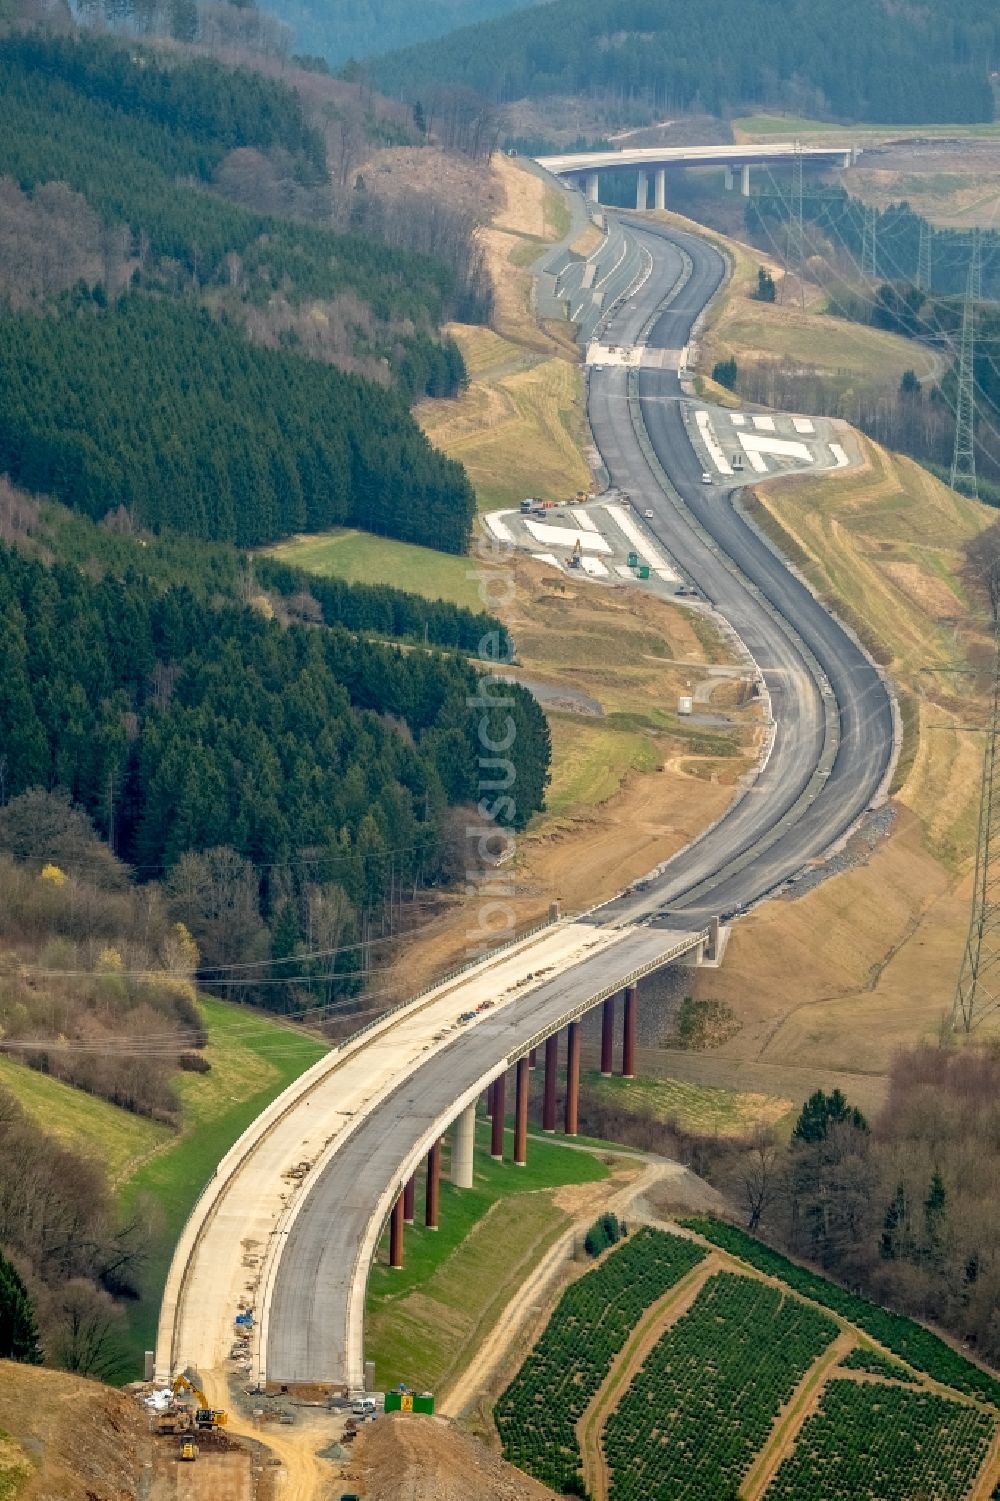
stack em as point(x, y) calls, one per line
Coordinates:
point(218, 437)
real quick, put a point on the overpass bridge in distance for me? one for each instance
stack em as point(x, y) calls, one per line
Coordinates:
point(584, 168)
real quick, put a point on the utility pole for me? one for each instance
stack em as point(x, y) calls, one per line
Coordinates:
point(978, 990)
point(869, 243)
point(925, 268)
point(963, 462)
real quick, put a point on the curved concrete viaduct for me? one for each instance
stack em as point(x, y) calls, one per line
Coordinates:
point(584, 168)
point(290, 1222)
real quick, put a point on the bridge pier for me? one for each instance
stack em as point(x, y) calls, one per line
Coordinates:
point(396, 1236)
point(660, 185)
point(463, 1147)
point(572, 1079)
point(432, 1202)
point(608, 1038)
point(745, 180)
point(551, 1069)
point(728, 179)
point(499, 1108)
point(592, 182)
point(521, 1114)
point(409, 1199)
point(642, 190)
point(629, 1034)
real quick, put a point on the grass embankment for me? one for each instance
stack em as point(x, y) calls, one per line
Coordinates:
point(158, 1172)
point(787, 127)
point(849, 356)
point(253, 1059)
point(867, 963)
point(361, 558)
point(698, 1108)
point(424, 1322)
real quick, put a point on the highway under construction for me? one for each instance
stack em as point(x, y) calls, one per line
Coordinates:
point(289, 1224)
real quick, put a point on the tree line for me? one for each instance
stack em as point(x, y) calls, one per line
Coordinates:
point(170, 559)
point(843, 59)
point(182, 724)
point(218, 437)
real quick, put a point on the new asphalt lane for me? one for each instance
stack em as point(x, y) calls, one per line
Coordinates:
point(833, 719)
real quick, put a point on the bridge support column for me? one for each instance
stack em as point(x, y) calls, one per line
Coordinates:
point(409, 1199)
point(642, 190)
point(396, 1236)
point(711, 953)
point(499, 1109)
point(463, 1148)
point(660, 187)
point(728, 179)
point(521, 1114)
point(608, 1037)
point(573, 1079)
point(533, 1058)
point(628, 1038)
point(551, 1069)
point(745, 180)
point(432, 1205)
point(591, 188)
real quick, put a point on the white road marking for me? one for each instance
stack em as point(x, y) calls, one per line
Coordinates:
point(712, 443)
point(781, 447)
point(803, 425)
point(842, 461)
point(763, 423)
point(594, 567)
point(498, 527)
point(648, 551)
point(566, 536)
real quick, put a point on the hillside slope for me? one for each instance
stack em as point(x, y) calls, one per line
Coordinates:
point(67, 1438)
point(850, 59)
point(347, 29)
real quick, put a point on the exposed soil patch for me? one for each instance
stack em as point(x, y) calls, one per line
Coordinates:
point(78, 1440)
point(407, 1458)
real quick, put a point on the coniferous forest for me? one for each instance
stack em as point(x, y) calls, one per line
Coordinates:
point(844, 59)
point(219, 436)
point(207, 712)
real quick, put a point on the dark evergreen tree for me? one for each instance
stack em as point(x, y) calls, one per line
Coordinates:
point(18, 1329)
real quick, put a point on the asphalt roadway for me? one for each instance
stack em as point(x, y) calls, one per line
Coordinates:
point(833, 722)
point(316, 1316)
point(832, 745)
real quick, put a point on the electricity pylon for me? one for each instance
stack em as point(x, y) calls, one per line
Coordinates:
point(924, 257)
point(978, 990)
point(963, 462)
point(869, 243)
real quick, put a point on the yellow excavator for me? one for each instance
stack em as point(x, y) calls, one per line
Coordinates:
point(204, 1416)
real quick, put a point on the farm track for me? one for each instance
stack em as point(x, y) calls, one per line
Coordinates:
point(647, 1334)
point(788, 1424)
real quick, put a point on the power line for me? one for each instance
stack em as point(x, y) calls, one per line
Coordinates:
point(963, 462)
point(925, 267)
point(978, 989)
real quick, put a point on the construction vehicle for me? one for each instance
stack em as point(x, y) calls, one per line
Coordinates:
point(189, 1450)
point(574, 560)
point(204, 1416)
